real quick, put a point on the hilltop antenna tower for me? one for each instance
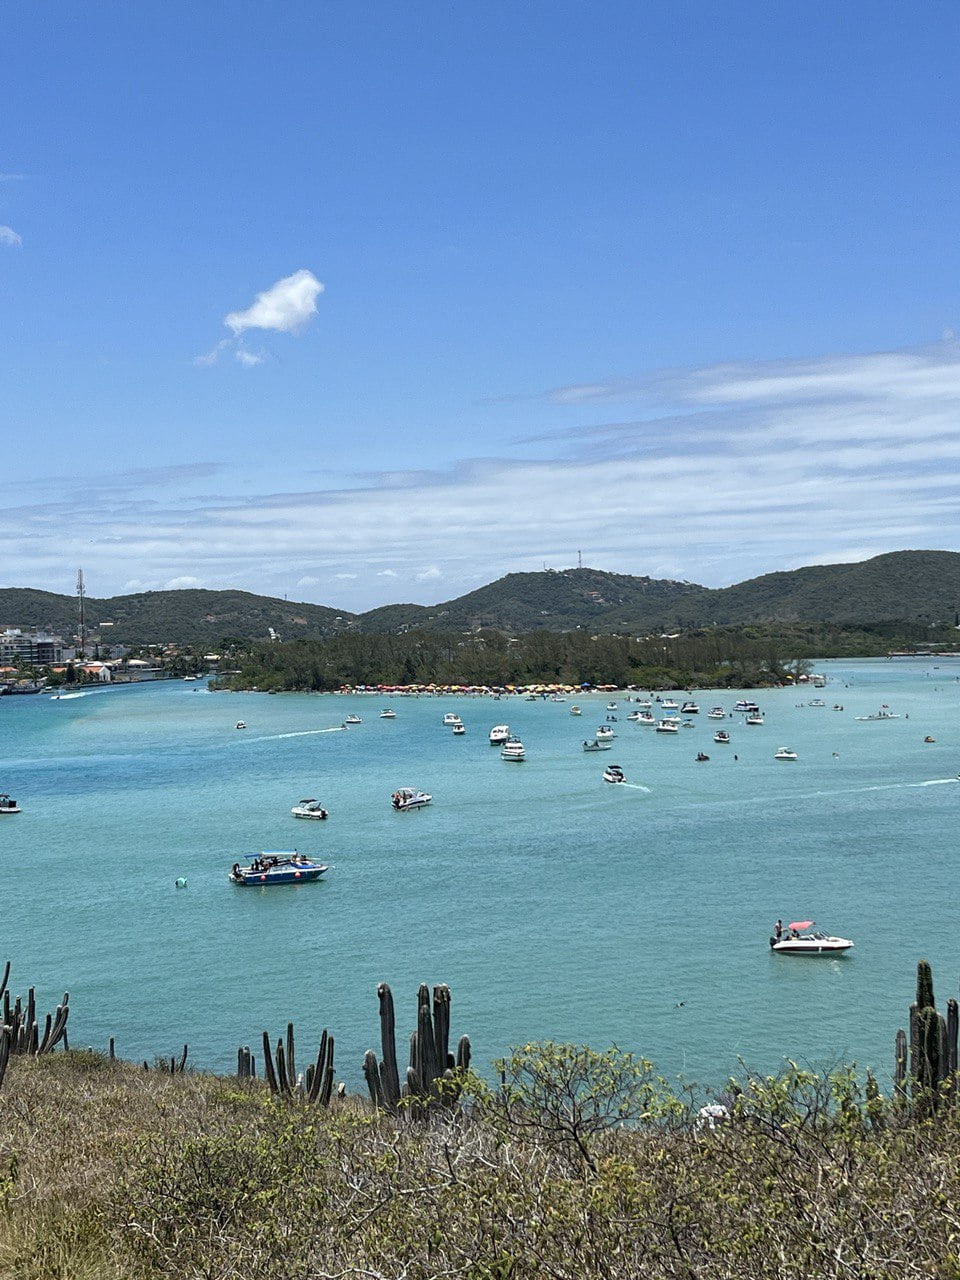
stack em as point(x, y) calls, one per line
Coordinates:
point(579, 559)
point(83, 630)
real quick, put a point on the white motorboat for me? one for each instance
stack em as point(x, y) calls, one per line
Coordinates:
point(611, 706)
point(388, 714)
point(716, 713)
point(575, 711)
point(669, 704)
point(605, 733)
point(451, 718)
point(784, 753)
point(352, 719)
point(642, 717)
point(816, 702)
point(499, 734)
point(241, 724)
point(745, 705)
point(459, 729)
point(613, 773)
point(405, 798)
point(668, 725)
point(512, 749)
point(721, 736)
point(7, 805)
point(803, 938)
point(883, 714)
point(754, 718)
point(597, 745)
point(309, 808)
point(689, 709)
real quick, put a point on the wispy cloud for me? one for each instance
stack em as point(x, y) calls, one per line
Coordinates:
point(286, 307)
point(747, 469)
point(10, 238)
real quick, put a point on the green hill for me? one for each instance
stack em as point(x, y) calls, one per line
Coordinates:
point(917, 587)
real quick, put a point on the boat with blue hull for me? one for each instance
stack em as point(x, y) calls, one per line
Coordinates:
point(282, 867)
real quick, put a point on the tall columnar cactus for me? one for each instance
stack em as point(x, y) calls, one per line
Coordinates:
point(431, 1063)
point(933, 1047)
point(280, 1072)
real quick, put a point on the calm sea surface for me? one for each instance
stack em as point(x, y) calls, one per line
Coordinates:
point(553, 904)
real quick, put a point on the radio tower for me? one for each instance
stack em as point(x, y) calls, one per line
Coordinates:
point(83, 631)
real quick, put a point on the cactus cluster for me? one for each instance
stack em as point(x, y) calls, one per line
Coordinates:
point(20, 1031)
point(932, 1047)
point(432, 1073)
point(280, 1068)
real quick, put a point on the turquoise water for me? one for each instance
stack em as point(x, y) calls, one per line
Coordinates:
point(553, 904)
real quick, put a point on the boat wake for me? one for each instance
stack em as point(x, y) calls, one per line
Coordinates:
point(65, 697)
point(637, 786)
point(299, 733)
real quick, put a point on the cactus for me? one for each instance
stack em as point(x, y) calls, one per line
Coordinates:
point(933, 1048)
point(900, 1066)
point(279, 1068)
point(925, 998)
point(431, 1063)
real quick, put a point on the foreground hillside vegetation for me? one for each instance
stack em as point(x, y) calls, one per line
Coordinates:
point(107, 1171)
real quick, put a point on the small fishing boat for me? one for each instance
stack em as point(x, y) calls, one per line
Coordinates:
point(513, 749)
point(405, 798)
point(241, 724)
point(597, 745)
point(613, 773)
point(784, 753)
point(721, 736)
point(499, 734)
point(7, 805)
point(388, 714)
point(803, 938)
point(287, 867)
point(309, 808)
point(352, 719)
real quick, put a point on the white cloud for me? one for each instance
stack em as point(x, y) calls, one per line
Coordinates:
point(181, 584)
point(755, 468)
point(248, 359)
point(285, 307)
point(211, 357)
point(9, 237)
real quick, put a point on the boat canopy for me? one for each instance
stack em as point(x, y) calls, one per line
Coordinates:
point(800, 924)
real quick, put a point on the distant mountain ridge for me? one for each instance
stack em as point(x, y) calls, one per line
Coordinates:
point(900, 586)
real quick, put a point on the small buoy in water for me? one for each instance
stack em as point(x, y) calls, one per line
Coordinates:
point(181, 882)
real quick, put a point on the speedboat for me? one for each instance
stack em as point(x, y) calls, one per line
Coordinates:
point(701, 756)
point(803, 938)
point(929, 739)
point(669, 704)
point(387, 714)
point(499, 734)
point(512, 749)
point(611, 706)
point(597, 745)
point(352, 719)
point(745, 705)
point(7, 805)
point(816, 702)
point(641, 717)
point(451, 718)
point(459, 729)
point(689, 709)
point(721, 736)
point(605, 733)
point(241, 724)
point(716, 713)
point(309, 808)
point(575, 711)
point(754, 718)
point(613, 773)
point(784, 753)
point(668, 725)
point(882, 714)
point(288, 867)
point(405, 798)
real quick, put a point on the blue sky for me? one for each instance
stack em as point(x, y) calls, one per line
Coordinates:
point(371, 302)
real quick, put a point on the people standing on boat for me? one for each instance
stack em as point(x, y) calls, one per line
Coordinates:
point(778, 930)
